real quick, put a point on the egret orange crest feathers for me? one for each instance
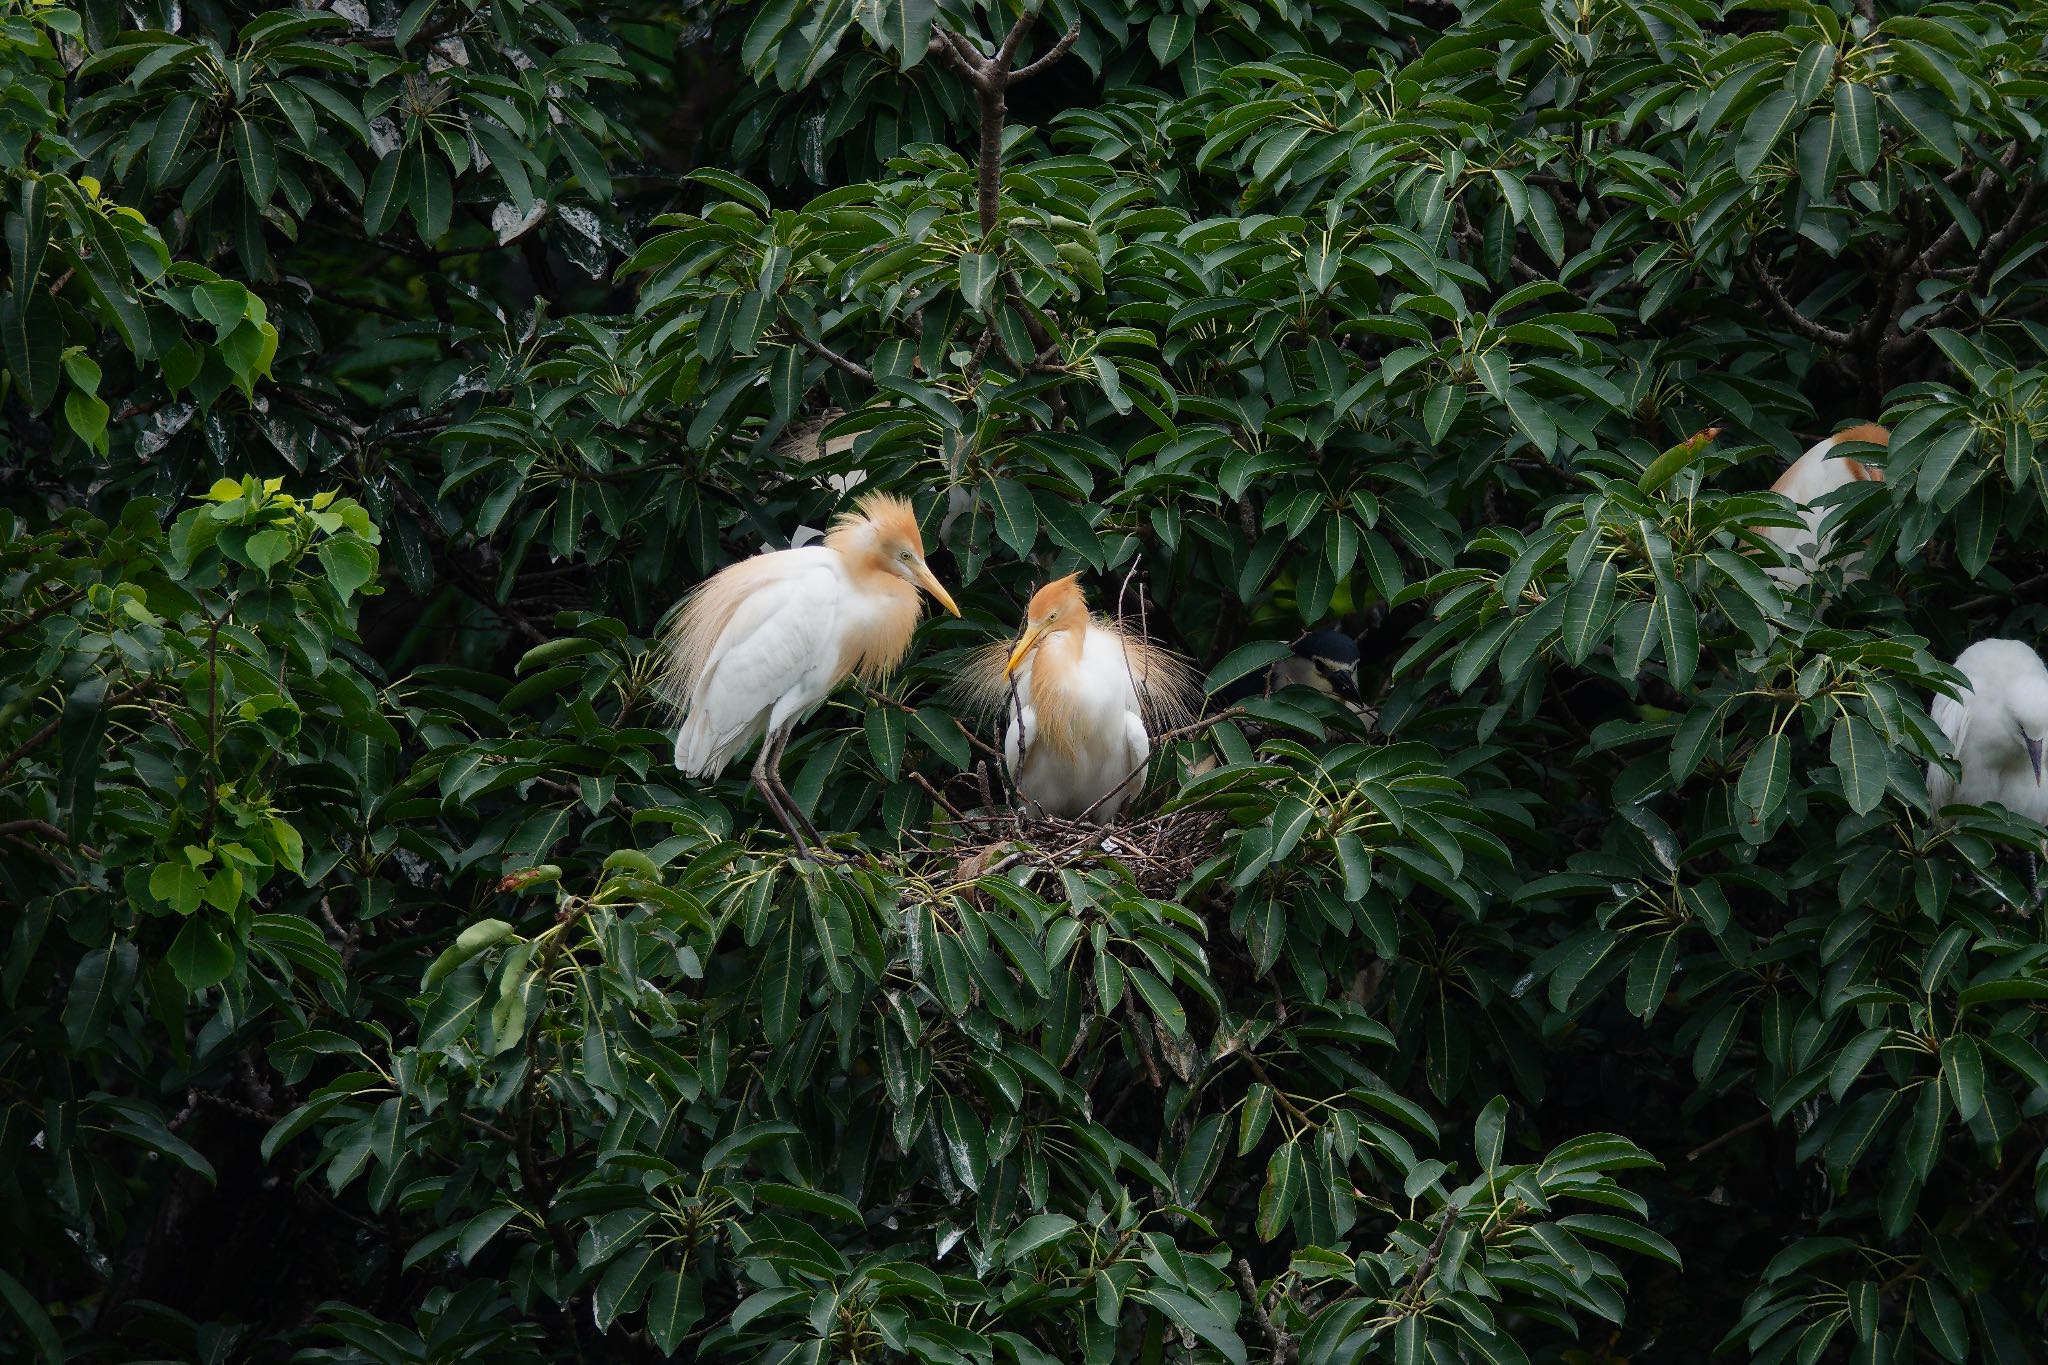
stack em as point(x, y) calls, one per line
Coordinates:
point(891, 516)
point(1061, 592)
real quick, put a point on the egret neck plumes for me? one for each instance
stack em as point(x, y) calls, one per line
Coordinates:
point(1997, 730)
point(1087, 697)
point(1809, 478)
point(760, 644)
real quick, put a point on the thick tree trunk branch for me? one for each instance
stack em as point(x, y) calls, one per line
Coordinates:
point(990, 78)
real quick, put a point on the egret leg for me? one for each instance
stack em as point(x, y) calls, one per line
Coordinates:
point(789, 802)
point(765, 782)
point(2034, 878)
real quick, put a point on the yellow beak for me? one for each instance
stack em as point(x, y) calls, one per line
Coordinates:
point(1024, 647)
point(935, 588)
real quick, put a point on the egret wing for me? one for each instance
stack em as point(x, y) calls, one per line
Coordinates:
point(779, 647)
point(1952, 717)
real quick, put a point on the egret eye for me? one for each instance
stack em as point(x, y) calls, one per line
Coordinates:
point(904, 556)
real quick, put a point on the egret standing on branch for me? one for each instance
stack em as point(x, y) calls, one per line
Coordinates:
point(1082, 699)
point(1810, 478)
point(756, 648)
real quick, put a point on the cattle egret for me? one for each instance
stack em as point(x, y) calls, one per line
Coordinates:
point(756, 648)
point(1811, 477)
point(1996, 730)
point(1086, 699)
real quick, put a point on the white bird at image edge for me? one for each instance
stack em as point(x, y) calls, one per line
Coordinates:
point(1996, 730)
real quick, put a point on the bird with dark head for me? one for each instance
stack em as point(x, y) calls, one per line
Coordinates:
point(1082, 699)
point(757, 647)
point(1326, 660)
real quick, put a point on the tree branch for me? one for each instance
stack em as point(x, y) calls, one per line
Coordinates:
point(824, 352)
point(47, 831)
point(1798, 321)
point(1053, 54)
point(990, 78)
point(1281, 1341)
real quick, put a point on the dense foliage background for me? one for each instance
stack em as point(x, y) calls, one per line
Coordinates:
point(376, 375)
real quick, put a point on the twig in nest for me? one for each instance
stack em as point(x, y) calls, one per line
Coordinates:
point(933, 792)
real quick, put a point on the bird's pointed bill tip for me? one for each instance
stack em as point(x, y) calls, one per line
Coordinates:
point(937, 589)
point(1024, 644)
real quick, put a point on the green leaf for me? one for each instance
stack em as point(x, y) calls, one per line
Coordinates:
point(256, 155)
point(222, 303)
point(349, 564)
point(476, 938)
point(177, 884)
point(675, 1305)
point(1489, 1133)
point(978, 276)
point(1159, 999)
point(33, 339)
point(1667, 466)
point(42, 1333)
point(1016, 515)
point(809, 1201)
point(174, 128)
point(732, 187)
point(1588, 608)
point(1962, 1066)
point(1765, 775)
point(910, 30)
point(1761, 131)
point(1856, 124)
point(2021, 1055)
point(1285, 1173)
point(1941, 1320)
point(100, 985)
point(200, 955)
point(1859, 755)
point(1622, 1233)
point(1244, 661)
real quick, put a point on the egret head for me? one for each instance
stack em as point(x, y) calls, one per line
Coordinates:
point(1056, 607)
point(1334, 657)
point(2027, 704)
point(885, 527)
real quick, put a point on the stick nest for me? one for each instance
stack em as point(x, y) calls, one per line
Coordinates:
point(1160, 851)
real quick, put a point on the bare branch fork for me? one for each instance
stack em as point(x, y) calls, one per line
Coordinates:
point(990, 78)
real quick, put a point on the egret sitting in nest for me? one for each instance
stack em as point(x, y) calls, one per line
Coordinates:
point(1083, 700)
